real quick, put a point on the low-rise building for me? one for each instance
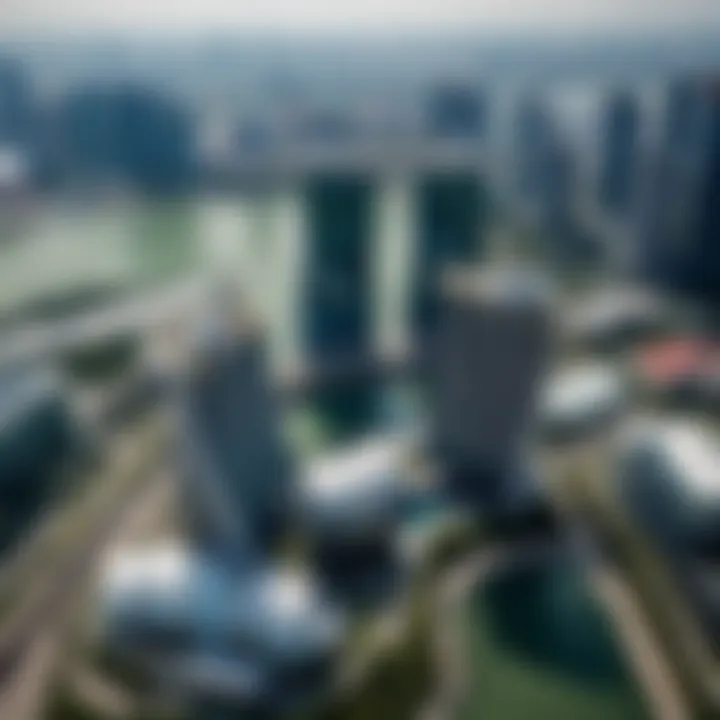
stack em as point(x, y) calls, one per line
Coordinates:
point(580, 400)
point(669, 478)
point(357, 494)
point(253, 634)
point(615, 317)
point(37, 436)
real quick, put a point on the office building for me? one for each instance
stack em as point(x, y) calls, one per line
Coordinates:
point(532, 133)
point(678, 247)
point(337, 306)
point(557, 173)
point(681, 109)
point(544, 170)
point(16, 105)
point(493, 345)
point(235, 469)
point(618, 152)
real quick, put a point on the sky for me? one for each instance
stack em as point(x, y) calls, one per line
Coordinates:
point(375, 16)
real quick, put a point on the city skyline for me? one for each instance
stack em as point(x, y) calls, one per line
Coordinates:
point(386, 17)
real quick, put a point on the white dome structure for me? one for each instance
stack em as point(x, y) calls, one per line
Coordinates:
point(669, 473)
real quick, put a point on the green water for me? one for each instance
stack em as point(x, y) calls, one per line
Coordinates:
point(541, 648)
point(63, 249)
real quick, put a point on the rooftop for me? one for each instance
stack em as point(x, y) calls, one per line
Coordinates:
point(695, 456)
point(581, 390)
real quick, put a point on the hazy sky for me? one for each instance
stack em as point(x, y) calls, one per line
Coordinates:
point(565, 16)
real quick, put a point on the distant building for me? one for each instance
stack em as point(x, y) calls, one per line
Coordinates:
point(681, 108)
point(326, 126)
point(215, 146)
point(338, 285)
point(532, 133)
point(486, 366)
point(678, 246)
point(544, 167)
point(17, 113)
point(456, 111)
point(616, 317)
point(618, 152)
point(254, 138)
point(557, 197)
point(127, 133)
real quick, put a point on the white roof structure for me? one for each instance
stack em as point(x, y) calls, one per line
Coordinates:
point(580, 393)
point(277, 610)
point(687, 456)
point(356, 490)
point(695, 456)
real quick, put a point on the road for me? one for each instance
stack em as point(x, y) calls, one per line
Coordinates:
point(637, 638)
point(29, 651)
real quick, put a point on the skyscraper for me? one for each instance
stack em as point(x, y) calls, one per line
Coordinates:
point(544, 166)
point(236, 470)
point(493, 344)
point(618, 150)
point(678, 247)
point(16, 111)
point(558, 175)
point(531, 134)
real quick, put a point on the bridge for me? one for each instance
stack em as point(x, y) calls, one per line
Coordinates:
point(290, 160)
